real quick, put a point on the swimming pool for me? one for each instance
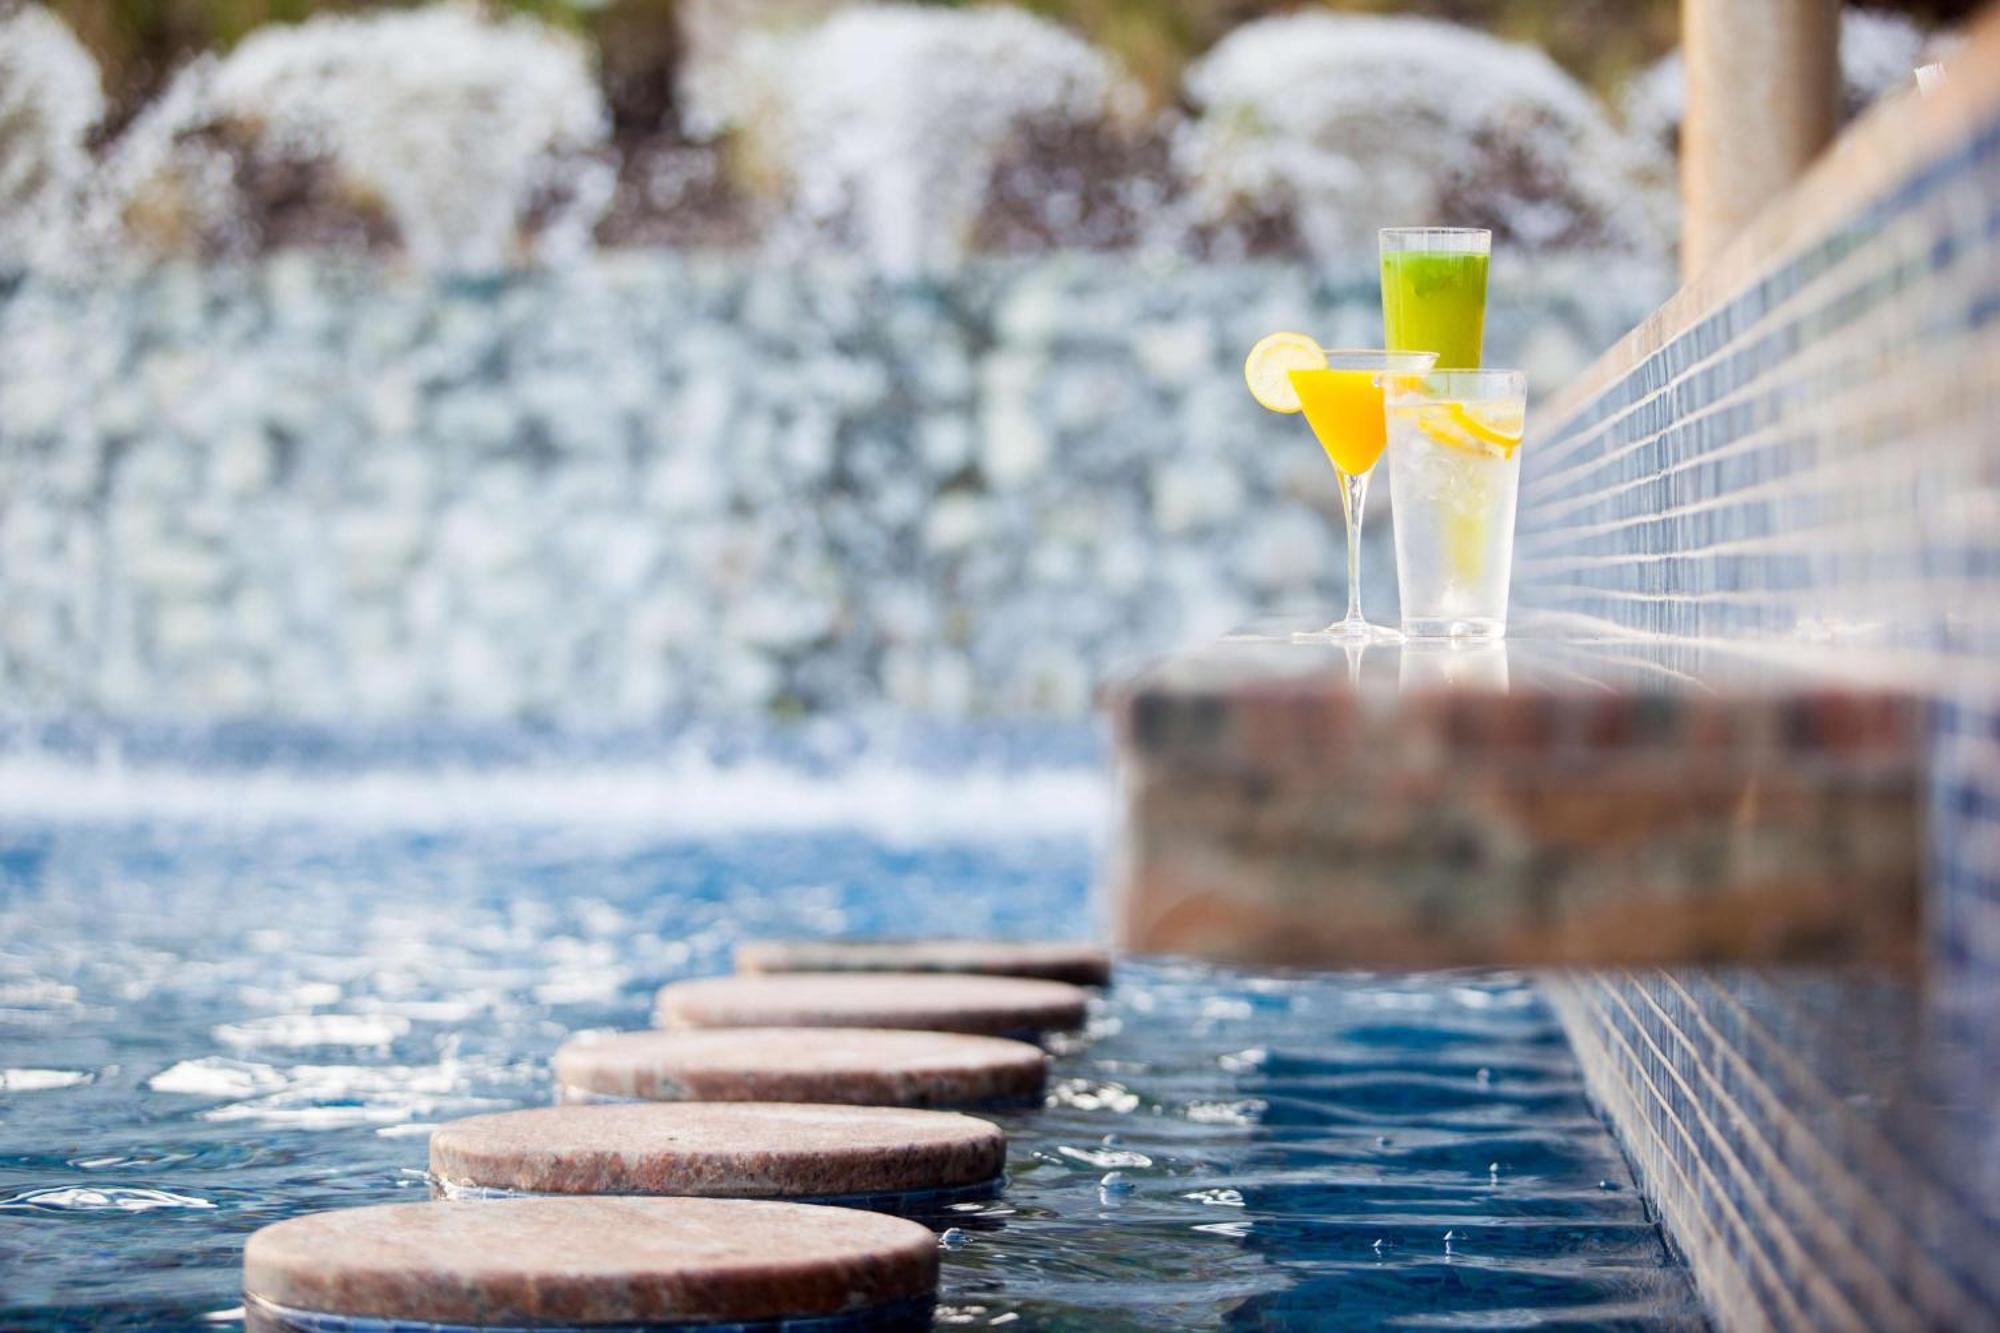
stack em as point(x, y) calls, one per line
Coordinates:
point(228, 997)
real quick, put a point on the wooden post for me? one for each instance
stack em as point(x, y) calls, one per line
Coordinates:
point(1763, 98)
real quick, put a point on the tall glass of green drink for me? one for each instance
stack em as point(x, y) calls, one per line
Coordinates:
point(1434, 292)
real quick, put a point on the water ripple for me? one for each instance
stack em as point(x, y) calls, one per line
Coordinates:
point(300, 1031)
point(217, 1076)
point(42, 1080)
point(1105, 1157)
point(107, 1199)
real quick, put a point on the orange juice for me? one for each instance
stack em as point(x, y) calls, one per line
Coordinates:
point(1344, 409)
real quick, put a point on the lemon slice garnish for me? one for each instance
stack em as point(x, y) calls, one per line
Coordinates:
point(1446, 427)
point(1502, 429)
point(1268, 369)
point(1454, 425)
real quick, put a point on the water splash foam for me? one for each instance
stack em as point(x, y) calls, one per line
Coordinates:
point(456, 127)
point(50, 100)
point(1335, 123)
point(692, 795)
point(887, 121)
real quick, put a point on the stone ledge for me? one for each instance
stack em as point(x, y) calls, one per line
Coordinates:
point(1542, 802)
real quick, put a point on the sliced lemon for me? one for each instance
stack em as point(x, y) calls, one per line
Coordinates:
point(1457, 427)
point(1268, 369)
point(1500, 427)
point(1445, 427)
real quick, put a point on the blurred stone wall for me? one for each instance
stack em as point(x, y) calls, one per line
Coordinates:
point(659, 483)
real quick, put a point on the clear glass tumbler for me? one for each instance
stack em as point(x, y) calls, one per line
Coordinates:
point(1454, 477)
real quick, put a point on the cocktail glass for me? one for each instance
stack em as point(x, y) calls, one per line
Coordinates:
point(1454, 475)
point(1346, 407)
point(1434, 292)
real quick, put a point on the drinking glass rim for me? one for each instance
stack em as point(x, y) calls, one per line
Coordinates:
point(1467, 240)
point(1498, 382)
point(1381, 359)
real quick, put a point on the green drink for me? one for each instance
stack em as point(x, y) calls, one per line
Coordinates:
point(1434, 292)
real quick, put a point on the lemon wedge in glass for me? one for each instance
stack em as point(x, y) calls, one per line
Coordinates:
point(1494, 432)
point(1497, 427)
point(1268, 369)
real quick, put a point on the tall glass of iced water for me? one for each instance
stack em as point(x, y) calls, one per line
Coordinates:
point(1454, 475)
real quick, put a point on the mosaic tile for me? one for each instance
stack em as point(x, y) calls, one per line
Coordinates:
point(1807, 471)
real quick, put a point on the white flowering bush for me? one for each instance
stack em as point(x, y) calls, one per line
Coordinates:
point(1879, 52)
point(1338, 125)
point(463, 132)
point(884, 124)
point(50, 99)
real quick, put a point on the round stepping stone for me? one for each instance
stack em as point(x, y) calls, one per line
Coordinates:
point(1076, 962)
point(851, 1066)
point(875, 1156)
point(587, 1261)
point(993, 1006)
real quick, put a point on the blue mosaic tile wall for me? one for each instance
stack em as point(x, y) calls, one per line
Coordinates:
point(1810, 470)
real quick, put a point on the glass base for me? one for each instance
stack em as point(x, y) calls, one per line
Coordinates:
point(1351, 630)
point(1455, 627)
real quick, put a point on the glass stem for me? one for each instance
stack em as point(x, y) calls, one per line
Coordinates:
point(1353, 495)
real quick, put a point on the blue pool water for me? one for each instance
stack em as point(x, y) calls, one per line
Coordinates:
point(228, 1001)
